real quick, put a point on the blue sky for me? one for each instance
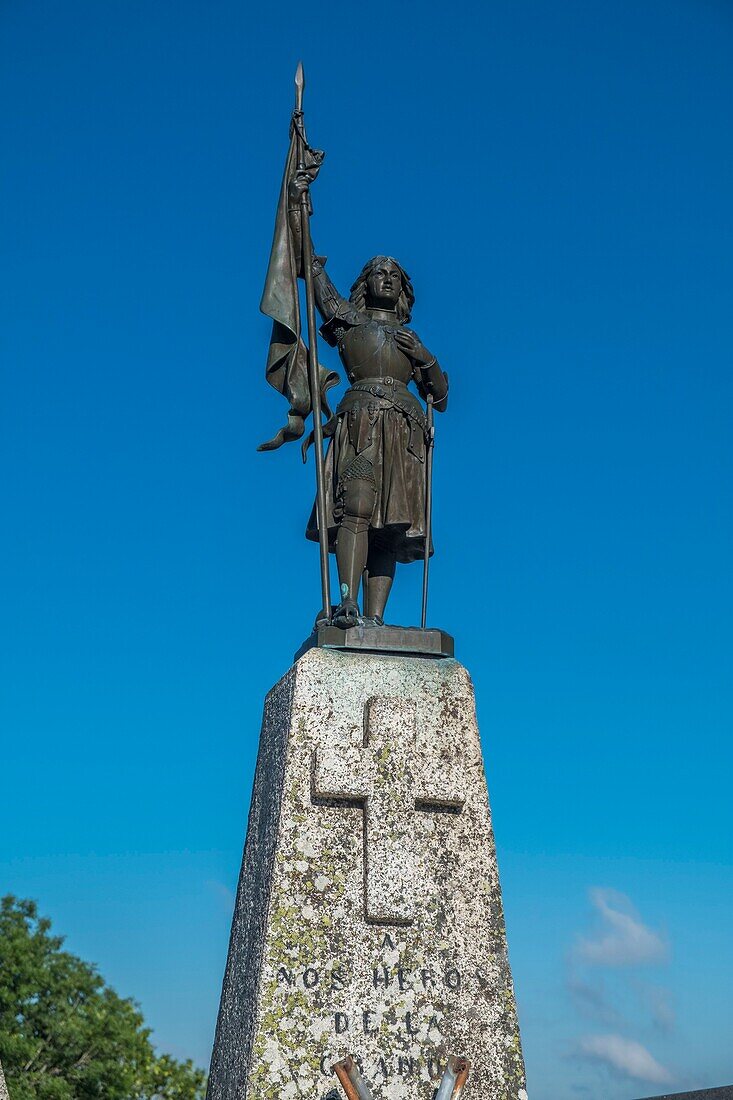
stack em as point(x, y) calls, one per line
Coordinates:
point(557, 178)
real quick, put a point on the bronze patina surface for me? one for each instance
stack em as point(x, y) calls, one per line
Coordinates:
point(373, 506)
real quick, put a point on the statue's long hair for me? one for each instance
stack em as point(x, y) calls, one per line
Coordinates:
point(406, 300)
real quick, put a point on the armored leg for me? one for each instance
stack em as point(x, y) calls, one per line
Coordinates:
point(358, 496)
point(380, 574)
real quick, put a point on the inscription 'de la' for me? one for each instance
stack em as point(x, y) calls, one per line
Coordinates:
point(390, 780)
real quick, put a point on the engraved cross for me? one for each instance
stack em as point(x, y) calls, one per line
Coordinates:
point(390, 779)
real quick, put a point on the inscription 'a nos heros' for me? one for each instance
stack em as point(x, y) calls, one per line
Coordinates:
point(382, 977)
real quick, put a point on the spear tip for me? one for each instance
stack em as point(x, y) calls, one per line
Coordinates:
point(299, 86)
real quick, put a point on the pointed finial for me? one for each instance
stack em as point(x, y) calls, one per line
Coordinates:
point(299, 86)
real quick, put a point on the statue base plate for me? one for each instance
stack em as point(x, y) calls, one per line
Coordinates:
point(381, 639)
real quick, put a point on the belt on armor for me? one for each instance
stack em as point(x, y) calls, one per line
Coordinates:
point(379, 388)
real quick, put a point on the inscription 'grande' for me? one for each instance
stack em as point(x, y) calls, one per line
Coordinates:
point(387, 777)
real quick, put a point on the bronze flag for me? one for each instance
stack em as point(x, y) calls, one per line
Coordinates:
point(287, 358)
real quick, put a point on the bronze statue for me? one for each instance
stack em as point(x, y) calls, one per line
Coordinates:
point(373, 486)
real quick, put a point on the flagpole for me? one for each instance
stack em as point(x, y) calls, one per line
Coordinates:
point(428, 511)
point(313, 372)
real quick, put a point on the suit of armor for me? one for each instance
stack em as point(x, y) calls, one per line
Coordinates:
point(376, 459)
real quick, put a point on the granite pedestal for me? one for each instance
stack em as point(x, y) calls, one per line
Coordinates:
point(368, 917)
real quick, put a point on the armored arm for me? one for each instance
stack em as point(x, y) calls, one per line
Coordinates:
point(434, 381)
point(329, 302)
point(429, 377)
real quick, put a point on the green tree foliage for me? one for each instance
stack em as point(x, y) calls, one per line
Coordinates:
point(64, 1034)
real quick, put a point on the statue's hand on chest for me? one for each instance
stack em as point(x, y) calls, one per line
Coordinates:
point(370, 351)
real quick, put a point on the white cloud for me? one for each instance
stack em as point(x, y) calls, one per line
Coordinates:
point(623, 939)
point(624, 1056)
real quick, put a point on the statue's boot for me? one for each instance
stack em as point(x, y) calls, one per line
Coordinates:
point(380, 575)
point(351, 552)
point(352, 547)
point(346, 615)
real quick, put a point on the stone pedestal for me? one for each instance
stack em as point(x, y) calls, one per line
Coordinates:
point(368, 918)
point(3, 1086)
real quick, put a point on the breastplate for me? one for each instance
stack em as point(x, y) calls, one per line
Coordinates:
point(370, 351)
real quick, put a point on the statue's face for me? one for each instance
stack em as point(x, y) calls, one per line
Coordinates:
point(384, 284)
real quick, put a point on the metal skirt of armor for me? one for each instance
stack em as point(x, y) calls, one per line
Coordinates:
point(379, 437)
